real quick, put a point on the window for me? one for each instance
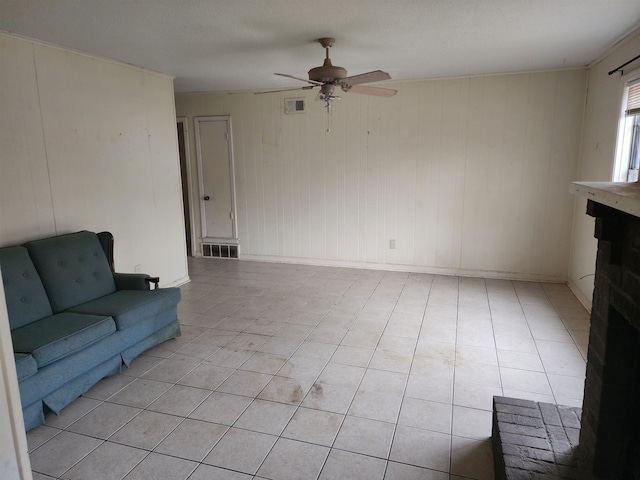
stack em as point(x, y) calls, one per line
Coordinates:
point(628, 148)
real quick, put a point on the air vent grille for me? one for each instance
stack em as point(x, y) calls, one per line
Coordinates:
point(294, 105)
point(216, 250)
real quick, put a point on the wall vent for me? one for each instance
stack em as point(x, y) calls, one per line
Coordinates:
point(294, 105)
point(216, 250)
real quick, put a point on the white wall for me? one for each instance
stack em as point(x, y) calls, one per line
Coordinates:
point(86, 144)
point(597, 155)
point(468, 175)
point(90, 144)
point(14, 459)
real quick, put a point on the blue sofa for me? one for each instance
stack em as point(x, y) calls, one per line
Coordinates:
point(74, 320)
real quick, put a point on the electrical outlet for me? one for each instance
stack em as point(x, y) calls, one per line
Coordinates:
point(392, 244)
point(138, 268)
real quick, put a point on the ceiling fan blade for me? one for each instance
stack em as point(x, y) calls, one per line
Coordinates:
point(366, 90)
point(375, 76)
point(312, 82)
point(285, 90)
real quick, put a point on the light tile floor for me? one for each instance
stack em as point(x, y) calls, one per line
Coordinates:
point(291, 372)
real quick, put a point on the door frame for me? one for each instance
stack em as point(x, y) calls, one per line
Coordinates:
point(232, 178)
point(184, 121)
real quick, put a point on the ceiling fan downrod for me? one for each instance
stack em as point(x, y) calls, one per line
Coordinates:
point(327, 43)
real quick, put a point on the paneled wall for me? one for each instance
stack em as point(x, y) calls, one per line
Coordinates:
point(468, 175)
point(14, 459)
point(90, 144)
point(601, 117)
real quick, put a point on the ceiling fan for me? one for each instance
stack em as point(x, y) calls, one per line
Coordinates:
point(328, 77)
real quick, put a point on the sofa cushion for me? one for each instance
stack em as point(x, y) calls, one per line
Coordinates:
point(73, 269)
point(60, 335)
point(26, 299)
point(25, 365)
point(127, 307)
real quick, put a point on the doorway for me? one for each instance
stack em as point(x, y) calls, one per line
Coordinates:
point(185, 176)
point(216, 179)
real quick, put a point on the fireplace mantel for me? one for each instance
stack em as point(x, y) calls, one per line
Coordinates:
point(619, 195)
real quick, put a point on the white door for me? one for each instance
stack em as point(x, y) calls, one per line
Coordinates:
point(215, 165)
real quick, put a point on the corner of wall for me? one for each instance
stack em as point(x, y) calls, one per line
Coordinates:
point(14, 456)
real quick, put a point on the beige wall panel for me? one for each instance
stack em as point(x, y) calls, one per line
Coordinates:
point(26, 207)
point(86, 137)
point(392, 156)
point(450, 177)
point(101, 155)
point(407, 216)
point(163, 203)
point(252, 163)
point(566, 141)
point(14, 457)
point(597, 154)
point(353, 164)
point(462, 173)
point(428, 167)
point(87, 144)
point(363, 191)
point(480, 220)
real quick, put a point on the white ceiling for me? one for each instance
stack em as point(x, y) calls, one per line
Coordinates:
point(235, 45)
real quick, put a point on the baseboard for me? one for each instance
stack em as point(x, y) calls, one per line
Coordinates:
point(582, 298)
point(177, 283)
point(460, 272)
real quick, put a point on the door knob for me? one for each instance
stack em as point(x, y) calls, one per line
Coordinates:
point(206, 198)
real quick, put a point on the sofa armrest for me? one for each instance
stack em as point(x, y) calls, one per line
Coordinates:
point(134, 281)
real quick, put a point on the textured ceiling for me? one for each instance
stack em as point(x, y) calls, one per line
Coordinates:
point(235, 45)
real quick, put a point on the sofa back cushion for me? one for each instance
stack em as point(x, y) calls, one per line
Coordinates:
point(25, 295)
point(73, 269)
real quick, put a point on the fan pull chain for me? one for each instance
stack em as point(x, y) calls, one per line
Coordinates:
point(329, 116)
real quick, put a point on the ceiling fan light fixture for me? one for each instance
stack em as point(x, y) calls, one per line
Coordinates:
point(327, 89)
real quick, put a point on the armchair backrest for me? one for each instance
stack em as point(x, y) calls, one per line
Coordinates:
point(106, 241)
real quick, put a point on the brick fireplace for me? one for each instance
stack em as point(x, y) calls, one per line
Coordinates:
point(610, 432)
point(605, 444)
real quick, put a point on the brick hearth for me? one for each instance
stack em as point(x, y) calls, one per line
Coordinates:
point(536, 441)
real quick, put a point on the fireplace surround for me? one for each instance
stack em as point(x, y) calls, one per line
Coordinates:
point(610, 433)
point(605, 443)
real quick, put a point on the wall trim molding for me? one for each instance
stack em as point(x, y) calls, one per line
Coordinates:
point(35, 41)
point(582, 298)
point(621, 42)
point(394, 267)
point(179, 282)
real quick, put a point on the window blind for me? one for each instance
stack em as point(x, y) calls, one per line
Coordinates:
point(633, 99)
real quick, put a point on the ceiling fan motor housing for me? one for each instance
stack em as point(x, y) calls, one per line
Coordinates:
point(327, 72)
